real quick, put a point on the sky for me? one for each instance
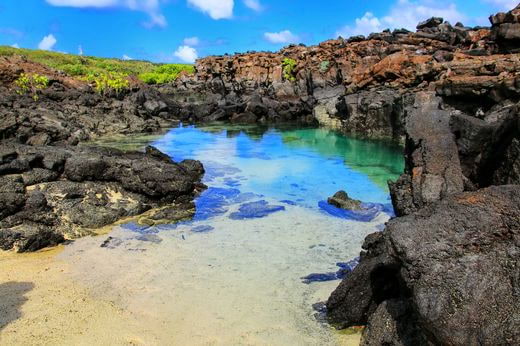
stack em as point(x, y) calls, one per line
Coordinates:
point(184, 30)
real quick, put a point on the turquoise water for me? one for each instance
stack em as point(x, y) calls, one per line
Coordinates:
point(263, 247)
point(300, 165)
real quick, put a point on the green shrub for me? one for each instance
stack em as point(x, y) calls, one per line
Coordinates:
point(288, 67)
point(165, 73)
point(31, 83)
point(324, 66)
point(104, 82)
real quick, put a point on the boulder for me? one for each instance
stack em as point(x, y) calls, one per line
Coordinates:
point(433, 22)
point(453, 267)
point(48, 193)
point(343, 201)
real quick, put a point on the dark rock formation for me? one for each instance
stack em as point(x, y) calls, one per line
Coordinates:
point(69, 111)
point(47, 193)
point(343, 201)
point(447, 274)
point(255, 210)
point(506, 30)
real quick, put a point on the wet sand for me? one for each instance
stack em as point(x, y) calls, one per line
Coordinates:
point(41, 304)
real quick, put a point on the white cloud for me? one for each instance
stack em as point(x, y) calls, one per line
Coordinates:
point(503, 5)
point(47, 43)
point(364, 25)
point(404, 14)
point(253, 4)
point(284, 36)
point(186, 54)
point(15, 45)
point(191, 41)
point(80, 50)
point(150, 7)
point(126, 57)
point(216, 9)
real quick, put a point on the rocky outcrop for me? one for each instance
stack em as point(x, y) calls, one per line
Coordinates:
point(68, 110)
point(49, 193)
point(448, 275)
point(446, 270)
point(359, 85)
point(342, 200)
point(506, 30)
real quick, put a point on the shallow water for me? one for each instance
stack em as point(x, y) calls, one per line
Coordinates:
point(234, 275)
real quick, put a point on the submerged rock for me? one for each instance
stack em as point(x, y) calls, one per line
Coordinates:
point(367, 213)
point(111, 243)
point(345, 269)
point(255, 210)
point(151, 238)
point(202, 229)
point(343, 201)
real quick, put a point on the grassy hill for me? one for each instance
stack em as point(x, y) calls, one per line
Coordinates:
point(90, 68)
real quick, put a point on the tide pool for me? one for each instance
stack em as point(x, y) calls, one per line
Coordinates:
point(261, 249)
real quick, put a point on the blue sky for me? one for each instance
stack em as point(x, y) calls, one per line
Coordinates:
point(181, 30)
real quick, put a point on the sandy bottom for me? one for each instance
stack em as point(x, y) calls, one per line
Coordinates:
point(239, 284)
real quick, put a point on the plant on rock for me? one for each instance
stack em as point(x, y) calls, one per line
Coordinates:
point(104, 82)
point(324, 66)
point(288, 67)
point(165, 73)
point(31, 83)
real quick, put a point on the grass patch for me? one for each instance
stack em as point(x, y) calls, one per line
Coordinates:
point(165, 73)
point(98, 69)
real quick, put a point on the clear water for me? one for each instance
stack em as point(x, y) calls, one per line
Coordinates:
point(233, 276)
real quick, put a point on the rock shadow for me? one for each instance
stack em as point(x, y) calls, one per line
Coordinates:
point(12, 298)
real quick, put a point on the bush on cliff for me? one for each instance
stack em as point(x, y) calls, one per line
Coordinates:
point(165, 73)
point(104, 82)
point(288, 66)
point(31, 83)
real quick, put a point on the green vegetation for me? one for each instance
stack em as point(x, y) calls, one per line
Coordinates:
point(324, 66)
point(165, 73)
point(103, 82)
point(108, 72)
point(31, 83)
point(288, 66)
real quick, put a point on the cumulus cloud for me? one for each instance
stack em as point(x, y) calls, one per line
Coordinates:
point(80, 50)
point(216, 9)
point(191, 41)
point(253, 4)
point(150, 7)
point(504, 5)
point(47, 43)
point(404, 14)
point(15, 45)
point(126, 57)
point(284, 36)
point(186, 54)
